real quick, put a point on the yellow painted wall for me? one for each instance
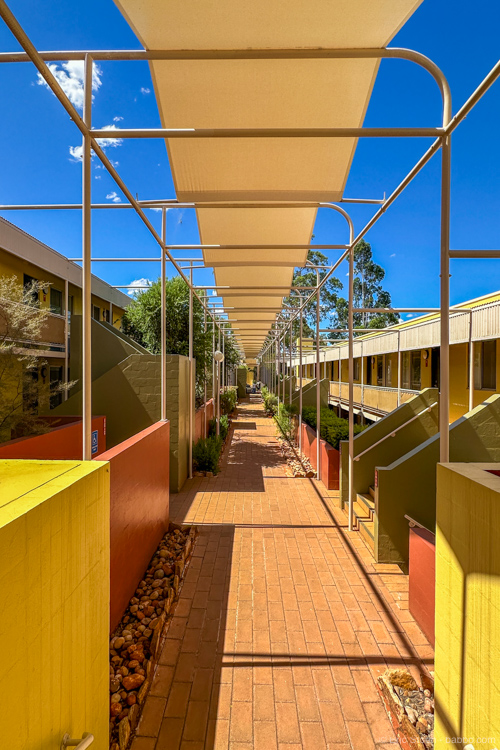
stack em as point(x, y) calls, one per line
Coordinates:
point(467, 606)
point(54, 589)
point(12, 265)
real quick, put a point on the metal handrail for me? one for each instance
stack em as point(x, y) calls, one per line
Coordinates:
point(81, 744)
point(393, 433)
point(414, 523)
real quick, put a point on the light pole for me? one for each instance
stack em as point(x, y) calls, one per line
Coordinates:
point(219, 357)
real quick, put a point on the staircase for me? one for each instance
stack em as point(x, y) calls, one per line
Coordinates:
point(364, 511)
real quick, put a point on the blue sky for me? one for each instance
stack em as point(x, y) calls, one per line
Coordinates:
point(36, 136)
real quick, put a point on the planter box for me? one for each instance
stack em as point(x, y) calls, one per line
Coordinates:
point(199, 419)
point(63, 442)
point(329, 457)
point(139, 509)
point(422, 580)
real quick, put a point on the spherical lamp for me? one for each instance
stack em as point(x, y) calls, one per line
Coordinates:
point(218, 356)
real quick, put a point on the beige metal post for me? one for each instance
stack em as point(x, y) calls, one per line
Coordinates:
point(444, 381)
point(87, 266)
point(163, 322)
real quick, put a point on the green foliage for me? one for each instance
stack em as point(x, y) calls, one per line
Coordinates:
point(368, 292)
point(228, 401)
point(333, 429)
point(285, 420)
point(270, 401)
point(328, 298)
point(142, 322)
point(206, 453)
point(224, 427)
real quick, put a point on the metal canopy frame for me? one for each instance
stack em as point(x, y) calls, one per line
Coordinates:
point(270, 354)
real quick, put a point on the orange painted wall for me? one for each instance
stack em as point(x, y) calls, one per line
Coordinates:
point(329, 457)
point(422, 583)
point(61, 443)
point(139, 509)
point(199, 423)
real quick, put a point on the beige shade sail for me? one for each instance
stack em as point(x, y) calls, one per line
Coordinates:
point(262, 93)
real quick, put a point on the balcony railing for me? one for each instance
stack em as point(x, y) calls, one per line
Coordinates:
point(376, 397)
point(51, 337)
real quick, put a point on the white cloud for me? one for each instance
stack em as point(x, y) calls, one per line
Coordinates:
point(69, 76)
point(393, 255)
point(97, 177)
point(114, 197)
point(145, 90)
point(104, 142)
point(77, 151)
point(117, 118)
point(138, 283)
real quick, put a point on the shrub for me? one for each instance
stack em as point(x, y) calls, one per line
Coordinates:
point(285, 421)
point(224, 427)
point(228, 401)
point(333, 429)
point(206, 453)
point(270, 401)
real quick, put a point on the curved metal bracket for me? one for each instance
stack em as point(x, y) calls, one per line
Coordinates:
point(81, 744)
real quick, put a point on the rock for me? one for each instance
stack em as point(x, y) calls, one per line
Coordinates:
point(114, 685)
point(402, 679)
point(412, 714)
point(123, 671)
point(427, 682)
point(143, 692)
point(131, 699)
point(115, 709)
point(159, 573)
point(116, 698)
point(133, 681)
point(422, 724)
point(133, 715)
point(428, 706)
point(123, 733)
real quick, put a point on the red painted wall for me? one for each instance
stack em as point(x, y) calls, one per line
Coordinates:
point(199, 423)
point(139, 509)
point(61, 443)
point(330, 458)
point(422, 580)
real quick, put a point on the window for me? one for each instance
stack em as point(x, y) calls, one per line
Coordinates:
point(357, 369)
point(405, 360)
point(388, 370)
point(415, 371)
point(56, 376)
point(369, 365)
point(96, 312)
point(380, 369)
point(485, 365)
point(105, 315)
point(56, 305)
point(71, 303)
point(28, 281)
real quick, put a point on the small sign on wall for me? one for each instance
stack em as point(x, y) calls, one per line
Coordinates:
point(95, 441)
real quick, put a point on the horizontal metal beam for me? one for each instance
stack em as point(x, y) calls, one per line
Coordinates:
point(137, 260)
point(473, 254)
point(173, 203)
point(406, 310)
point(189, 133)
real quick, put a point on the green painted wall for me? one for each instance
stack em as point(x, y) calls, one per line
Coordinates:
point(129, 396)
point(406, 439)
point(109, 347)
point(241, 381)
point(408, 486)
point(309, 394)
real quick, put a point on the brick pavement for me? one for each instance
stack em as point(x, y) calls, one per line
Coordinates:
point(284, 621)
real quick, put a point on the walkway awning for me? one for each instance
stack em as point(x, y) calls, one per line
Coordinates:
point(262, 93)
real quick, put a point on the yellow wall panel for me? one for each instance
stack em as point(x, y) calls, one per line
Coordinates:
point(468, 606)
point(54, 588)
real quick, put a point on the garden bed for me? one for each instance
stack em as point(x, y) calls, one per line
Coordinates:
point(136, 643)
point(410, 708)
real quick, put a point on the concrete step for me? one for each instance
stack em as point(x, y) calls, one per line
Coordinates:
point(366, 529)
point(371, 490)
point(367, 503)
point(361, 513)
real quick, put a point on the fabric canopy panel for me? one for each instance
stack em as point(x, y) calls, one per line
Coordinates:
point(262, 93)
point(277, 226)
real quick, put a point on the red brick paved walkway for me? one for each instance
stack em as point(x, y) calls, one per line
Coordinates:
point(283, 622)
